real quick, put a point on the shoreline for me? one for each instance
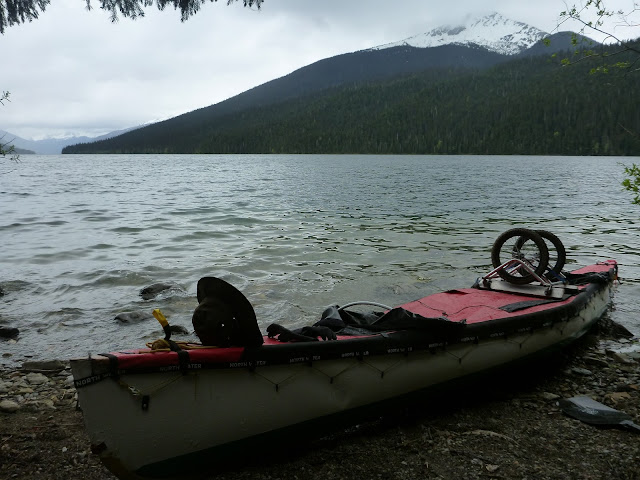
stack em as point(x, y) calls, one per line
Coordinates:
point(510, 427)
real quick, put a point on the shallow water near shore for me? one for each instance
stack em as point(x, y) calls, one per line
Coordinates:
point(82, 235)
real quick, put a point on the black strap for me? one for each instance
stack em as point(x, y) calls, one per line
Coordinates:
point(183, 355)
point(514, 307)
point(113, 364)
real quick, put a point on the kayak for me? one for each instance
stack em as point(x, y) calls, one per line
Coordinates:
point(160, 413)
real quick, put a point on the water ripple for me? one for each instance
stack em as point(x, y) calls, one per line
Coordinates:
point(294, 233)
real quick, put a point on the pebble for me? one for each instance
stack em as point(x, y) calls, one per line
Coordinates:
point(36, 378)
point(549, 396)
point(595, 361)
point(582, 371)
point(34, 390)
point(9, 406)
point(621, 357)
point(615, 397)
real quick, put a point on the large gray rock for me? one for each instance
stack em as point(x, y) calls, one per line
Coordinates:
point(133, 317)
point(152, 291)
point(179, 330)
point(9, 332)
point(44, 366)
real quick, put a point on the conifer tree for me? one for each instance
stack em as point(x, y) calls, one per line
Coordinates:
point(5, 148)
point(15, 12)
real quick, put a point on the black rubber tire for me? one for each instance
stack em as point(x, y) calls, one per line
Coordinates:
point(560, 256)
point(521, 237)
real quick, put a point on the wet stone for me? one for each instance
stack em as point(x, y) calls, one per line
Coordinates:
point(9, 406)
point(133, 317)
point(44, 366)
point(581, 371)
point(596, 362)
point(620, 357)
point(152, 291)
point(37, 378)
point(549, 396)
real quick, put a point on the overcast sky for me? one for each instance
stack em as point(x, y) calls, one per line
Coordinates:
point(73, 72)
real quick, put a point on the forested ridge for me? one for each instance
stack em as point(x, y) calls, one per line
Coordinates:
point(526, 106)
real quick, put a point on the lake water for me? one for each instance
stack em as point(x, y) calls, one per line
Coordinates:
point(82, 235)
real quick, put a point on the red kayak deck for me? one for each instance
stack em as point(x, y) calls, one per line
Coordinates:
point(469, 306)
point(473, 305)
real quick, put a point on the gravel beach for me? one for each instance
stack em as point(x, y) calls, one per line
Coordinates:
point(505, 428)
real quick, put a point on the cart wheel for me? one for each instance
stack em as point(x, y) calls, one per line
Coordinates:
point(522, 244)
point(557, 253)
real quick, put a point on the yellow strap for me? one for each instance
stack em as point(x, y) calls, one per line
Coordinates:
point(160, 317)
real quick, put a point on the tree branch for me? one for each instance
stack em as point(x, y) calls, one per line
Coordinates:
point(15, 12)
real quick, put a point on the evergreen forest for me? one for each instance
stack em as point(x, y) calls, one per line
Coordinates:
point(529, 106)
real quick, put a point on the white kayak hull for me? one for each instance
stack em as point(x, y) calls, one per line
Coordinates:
point(160, 423)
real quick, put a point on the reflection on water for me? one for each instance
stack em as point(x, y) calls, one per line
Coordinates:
point(83, 234)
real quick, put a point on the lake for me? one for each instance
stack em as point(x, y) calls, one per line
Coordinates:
point(83, 234)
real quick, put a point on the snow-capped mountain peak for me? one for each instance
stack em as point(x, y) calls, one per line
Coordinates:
point(493, 32)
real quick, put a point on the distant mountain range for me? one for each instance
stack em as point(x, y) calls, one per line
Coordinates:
point(52, 146)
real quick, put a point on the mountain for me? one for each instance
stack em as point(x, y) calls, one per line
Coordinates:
point(52, 146)
point(493, 32)
point(473, 46)
point(22, 151)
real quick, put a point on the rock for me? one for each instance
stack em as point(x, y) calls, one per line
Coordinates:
point(628, 369)
point(179, 329)
point(46, 403)
point(133, 317)
point(620, 357)
point(44, 366)
point(549, 396)
point(595, 361)
point(623, 387)
point(619, 330)
point(615, 397)
point(581, 371)
point(9, 406)
point(9, 332)
point(36, 378)
point(152, 291)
